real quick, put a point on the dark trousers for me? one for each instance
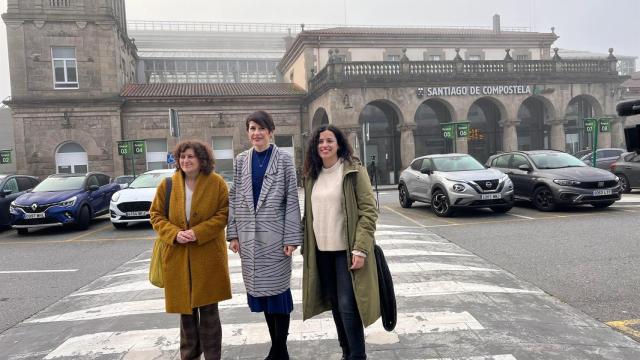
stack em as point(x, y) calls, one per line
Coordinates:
point(278, 331)
point(335, 279)
point(201, 332)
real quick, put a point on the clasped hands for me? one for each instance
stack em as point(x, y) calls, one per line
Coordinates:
point(234, 245)
point(186, 236)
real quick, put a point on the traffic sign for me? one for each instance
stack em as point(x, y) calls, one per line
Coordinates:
point(124, 148)
point(5, 157)
point(170, 158)
point(138, 147)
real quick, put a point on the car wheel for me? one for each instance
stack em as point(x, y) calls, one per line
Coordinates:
point(23, 231)
point(440, 204)
point(500, 209)
point(624, 184)
point(543, 199)
point(120, 225)
point(602, 205)
point(84, 218)
point(403, 196)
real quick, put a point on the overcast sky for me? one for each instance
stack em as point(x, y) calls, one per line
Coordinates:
point(593, 25)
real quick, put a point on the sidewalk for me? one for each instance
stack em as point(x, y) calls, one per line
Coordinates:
point(451, 304)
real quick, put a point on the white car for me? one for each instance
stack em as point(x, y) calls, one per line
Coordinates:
point(131, 205)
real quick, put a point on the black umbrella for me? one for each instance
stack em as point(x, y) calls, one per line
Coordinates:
point(387, 294)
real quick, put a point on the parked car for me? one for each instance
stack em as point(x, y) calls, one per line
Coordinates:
point(63, 199)
point(131, 205)
point(549, 178)
point(450, 181)
point(124, 180)
point(604, 157)
point(627, 168)
point(12, 186)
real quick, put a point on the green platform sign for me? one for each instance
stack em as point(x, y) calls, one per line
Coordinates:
point(589, 124)
point(605, 125)
point(5, 157)
point(462, 129)
point(138, 147)
point(124, 148)
point(447, 130)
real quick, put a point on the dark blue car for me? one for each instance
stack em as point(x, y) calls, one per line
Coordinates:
point(63, 199)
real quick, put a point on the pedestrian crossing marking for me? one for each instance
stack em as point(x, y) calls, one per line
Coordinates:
point(105, 343)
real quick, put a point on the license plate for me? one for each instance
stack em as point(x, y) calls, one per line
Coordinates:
point(34, 216)
point(491, 196)
point(602, 192)
point(137, 213)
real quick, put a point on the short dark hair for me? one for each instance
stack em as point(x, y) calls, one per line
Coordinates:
point(203, 153)
point(313, 162)
point(261, 118)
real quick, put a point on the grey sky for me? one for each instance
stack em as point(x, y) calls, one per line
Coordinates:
point(593, 25)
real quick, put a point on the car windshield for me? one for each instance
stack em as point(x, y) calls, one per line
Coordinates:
point(60, 184)
point(124, 179)
point(148, 180)
point(456, 163)
point(555, 161)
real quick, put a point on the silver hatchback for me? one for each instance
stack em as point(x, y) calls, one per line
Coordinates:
point(450, 181)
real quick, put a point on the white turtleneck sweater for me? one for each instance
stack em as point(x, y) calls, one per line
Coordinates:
point(326, 205)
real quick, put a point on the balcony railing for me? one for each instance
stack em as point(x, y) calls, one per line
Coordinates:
point(396, 73)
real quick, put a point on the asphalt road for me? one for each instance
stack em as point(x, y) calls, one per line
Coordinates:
point(584, 256)
point(90, 253)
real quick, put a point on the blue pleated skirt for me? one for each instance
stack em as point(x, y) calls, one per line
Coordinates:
point(274, 304)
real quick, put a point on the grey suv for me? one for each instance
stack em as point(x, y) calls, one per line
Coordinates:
point(627, 168)
point(450, 181)
point(549, 178)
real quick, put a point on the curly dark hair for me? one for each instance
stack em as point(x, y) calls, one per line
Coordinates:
point(313, 162)
point(261, 118)
point(203, 153)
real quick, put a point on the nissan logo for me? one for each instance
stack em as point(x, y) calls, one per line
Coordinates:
point(600, 183)
point(488, 184)
point(34, 206)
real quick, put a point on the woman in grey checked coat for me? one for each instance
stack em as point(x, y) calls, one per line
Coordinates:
point(264, 227)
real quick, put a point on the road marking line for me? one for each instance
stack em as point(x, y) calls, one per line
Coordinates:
point(35, 271)
point(624, 326)
point(139, 341)
point(521, 216)
point(484, 357)
point(67, 241)
point(414, 221)
point(89, 233)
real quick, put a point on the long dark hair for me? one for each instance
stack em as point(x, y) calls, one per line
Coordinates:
point(313, 162)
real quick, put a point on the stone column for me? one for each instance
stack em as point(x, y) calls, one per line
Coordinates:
point(407, 143)
point(462, 145)
point(557, 140)
point(509, 135)
point(351, 131)
point(617, 132)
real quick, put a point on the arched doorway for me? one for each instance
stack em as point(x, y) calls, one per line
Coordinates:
point(533, 133)
point(428, 134)
point(379, 138)
point(320, 117)
point(485, 132)
point(71, 158)
point(580, 108)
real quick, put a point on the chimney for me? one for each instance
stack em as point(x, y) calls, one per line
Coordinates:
point(496, 23)
point(288, 40)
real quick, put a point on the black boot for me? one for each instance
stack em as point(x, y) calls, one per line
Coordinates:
point(271, 323)
point(282, 332)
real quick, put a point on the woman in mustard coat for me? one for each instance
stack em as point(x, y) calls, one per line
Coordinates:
point(194, 253)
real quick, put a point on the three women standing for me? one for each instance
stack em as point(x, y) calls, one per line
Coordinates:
point(339, 272)
point(264, 227)
point(194, 255)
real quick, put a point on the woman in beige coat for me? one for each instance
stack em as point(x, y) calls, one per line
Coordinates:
point(194, 253)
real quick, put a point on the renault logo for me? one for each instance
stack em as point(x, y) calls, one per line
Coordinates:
point(488, 184)
point(34, 206)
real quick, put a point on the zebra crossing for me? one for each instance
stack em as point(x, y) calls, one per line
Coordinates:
point(451, 305)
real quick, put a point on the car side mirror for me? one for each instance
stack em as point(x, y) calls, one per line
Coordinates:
point(525, 167)
point(426, 171)
point(93, 187)
point(124, 186)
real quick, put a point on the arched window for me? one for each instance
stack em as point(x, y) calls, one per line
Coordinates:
point(71, 158)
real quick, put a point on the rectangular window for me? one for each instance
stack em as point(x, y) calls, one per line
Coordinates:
point(156, 154)
point(285, 142)
point(393, 57)
point(223, 152)
point(65, 73)
point(522, 57)
point(435, 58)
point(474, 57)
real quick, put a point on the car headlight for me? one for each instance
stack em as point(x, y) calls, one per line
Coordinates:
point(617, 179)
point(69, 202)
point(13, 205)
point(565, 182)
point(458, 187)
point(504, 178)
point(115, 196)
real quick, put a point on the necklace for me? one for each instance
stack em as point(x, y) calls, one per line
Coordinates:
point(266, 156)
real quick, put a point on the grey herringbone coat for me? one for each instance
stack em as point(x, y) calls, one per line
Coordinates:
point(263, 232)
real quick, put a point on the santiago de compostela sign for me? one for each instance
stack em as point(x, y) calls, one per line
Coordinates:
point(474, 90)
